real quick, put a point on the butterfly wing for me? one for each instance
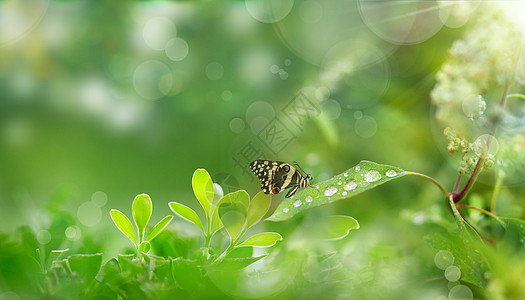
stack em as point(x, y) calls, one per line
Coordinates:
point(264, 170)
point(276, 176)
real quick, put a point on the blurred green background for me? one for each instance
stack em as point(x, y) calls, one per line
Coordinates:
point(101, 101)
point(126, 98)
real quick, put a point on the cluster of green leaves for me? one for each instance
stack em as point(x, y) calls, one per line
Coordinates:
point(141, 210)
point(240, 214)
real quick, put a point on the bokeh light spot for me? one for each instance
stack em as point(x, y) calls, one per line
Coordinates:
point(460, 292)
point(310, 11)
point(99, 198)
point(157, 32)
point(89, 214)
point(452, 273)
point(407, 22)
point(365, 127)
point(443, 259)
point(269, 11)
point(226, 95)
point(177, 49)
point(214, 71)
point(73, 233)
point(152, 79)
point(43, 237)
point(237, 125)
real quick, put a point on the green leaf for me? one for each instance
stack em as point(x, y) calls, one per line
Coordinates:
point(258, 208)
point(337, 227)
point(265, 239)
point(472, 267)
point(216, 222)
point(203, 188)
point(235, 264)
point(145, 247)
point(54, 255)
point(364, 176)
point(233, 222)
point(141, 209)
point(123, 224)
point(86, 266)
point(186, 213)
point(237, 197)
point(129, 265)
point(159, 227)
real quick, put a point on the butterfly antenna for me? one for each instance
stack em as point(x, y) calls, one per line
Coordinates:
point(295, 163)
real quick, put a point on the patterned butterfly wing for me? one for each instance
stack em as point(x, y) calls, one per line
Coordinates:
point(264, 170)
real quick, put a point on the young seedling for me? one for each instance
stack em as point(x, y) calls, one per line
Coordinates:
point(236, 222)
point(141, 210)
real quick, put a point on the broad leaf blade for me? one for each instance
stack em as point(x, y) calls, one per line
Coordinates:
point(141, 209)
point(364, 176)
point(159, 227)
point(186, 213)
point(86, 266)
point(233, 222)
point(144, 247)
point(123, 224)
point(258, 208)
point(338, 227)
point(265, 239)
point(237, 197)
point(235, 264)
point(203, 188)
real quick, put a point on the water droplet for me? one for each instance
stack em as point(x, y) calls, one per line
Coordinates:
point(346, 174)
point(291, 197)
point(372, 176)
point(308, 199)
point(452, 273)
point(344, 193)
point(339, 177)
point(316, 187)
point(330, 191)
point(357, 168)
point(460, 292)
point(443, 259)
point(350, 186)
point(391, 173)
point(339, 183)
point(297, 203)
point(286, 210)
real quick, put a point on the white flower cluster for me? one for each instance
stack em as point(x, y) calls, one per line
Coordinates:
point(479, 67)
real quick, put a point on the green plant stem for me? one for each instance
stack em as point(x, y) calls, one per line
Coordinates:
point(483, 211)
point(456, 186)
point(230, 248)
point(495, 193)
point(479, 165)
point(521, 96)
point(441, 187)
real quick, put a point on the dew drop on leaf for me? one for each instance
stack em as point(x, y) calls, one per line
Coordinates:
point(286, 210)
point(350, 186)
point(372, 176)
point(297, 203)
point(330, 191)
point(391, 173)
point(346, 174)
point(308, 199)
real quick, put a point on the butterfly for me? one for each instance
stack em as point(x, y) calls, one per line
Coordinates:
point(276, 176)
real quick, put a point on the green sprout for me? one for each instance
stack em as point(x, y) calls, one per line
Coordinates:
point(141, 210)
point(235, 221)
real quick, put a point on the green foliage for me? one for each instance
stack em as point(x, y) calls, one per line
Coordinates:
point(364, 176)
point(234, 211)
point(141, 209)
